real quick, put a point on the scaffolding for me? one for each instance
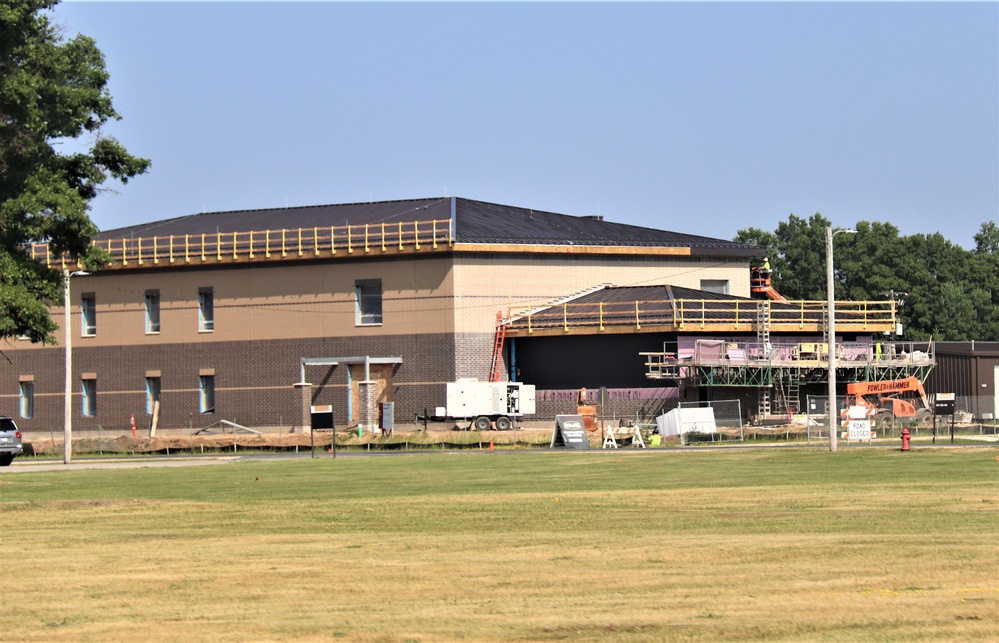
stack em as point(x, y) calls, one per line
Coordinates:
point(779, 371)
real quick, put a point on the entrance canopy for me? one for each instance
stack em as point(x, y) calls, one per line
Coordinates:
point(367, 360)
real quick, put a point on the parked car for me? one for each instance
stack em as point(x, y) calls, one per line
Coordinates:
point(10, 441)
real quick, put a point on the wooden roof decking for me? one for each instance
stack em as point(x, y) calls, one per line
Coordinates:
point(658, 309)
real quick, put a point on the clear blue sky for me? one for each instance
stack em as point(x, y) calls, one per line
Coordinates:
point(703, 118)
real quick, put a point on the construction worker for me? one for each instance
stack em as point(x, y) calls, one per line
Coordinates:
point(765, 270)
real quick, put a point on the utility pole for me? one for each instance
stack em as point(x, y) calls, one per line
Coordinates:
point(67, 436)
point(831, 344)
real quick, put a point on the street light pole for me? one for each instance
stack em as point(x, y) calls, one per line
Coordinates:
point(67, 436)
point(831, 340)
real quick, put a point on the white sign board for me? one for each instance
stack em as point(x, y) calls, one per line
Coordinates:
point(859, 431)
point(857, 412)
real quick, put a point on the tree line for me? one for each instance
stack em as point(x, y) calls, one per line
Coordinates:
point(944, 292)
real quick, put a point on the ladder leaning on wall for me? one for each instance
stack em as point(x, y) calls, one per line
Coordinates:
point(496, 366)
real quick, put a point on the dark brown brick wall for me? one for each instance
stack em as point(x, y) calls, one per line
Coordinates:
point(254, 380)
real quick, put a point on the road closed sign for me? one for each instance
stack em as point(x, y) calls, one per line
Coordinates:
point(859, 431)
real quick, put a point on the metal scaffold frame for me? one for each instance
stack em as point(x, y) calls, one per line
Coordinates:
point(734, 376)
point(778, 371)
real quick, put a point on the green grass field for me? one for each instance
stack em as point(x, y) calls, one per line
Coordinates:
point(864, 544)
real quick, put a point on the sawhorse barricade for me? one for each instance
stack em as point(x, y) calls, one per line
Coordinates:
point(611, 433)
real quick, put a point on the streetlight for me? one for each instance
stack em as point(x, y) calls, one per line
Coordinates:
point(831, 345)
point(67, 439)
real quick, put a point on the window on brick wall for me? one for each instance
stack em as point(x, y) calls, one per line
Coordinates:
point(152, 311)
point(368, 303)
point(717, 286)
point(206, 389)
point(90, 397)
point(152, 393)
point(206, 309)
point(88, 310)
point(27, 395)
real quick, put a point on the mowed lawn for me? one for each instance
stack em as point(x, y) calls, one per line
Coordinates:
point(864, 544)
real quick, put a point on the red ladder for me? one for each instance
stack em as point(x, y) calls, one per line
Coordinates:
point(497, 363)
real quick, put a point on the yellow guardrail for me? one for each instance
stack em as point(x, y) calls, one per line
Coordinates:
point(256, 244)
point(695, 314)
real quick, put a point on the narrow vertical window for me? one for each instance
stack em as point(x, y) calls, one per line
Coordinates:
point(152, 394)
point(206, 386)
point(152, 311)
point(27, 399)
point(88, 308)
point(368, 302)
point(90, 397)
point(206, 309)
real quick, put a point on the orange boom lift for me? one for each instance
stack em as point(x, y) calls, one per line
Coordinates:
point(760, 284)
point(883, 400)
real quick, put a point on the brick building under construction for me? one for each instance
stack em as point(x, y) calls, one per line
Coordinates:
point(253, 316)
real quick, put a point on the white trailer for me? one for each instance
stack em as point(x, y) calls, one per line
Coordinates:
point(485, 403)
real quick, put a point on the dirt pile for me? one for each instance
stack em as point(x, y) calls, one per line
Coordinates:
point(283, 441)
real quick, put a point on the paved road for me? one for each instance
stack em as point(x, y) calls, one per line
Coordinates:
point(27, 465)
point(23, 465)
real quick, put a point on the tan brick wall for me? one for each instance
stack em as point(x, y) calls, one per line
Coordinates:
point(487, 283)
point(316, 299)
point(272, 301)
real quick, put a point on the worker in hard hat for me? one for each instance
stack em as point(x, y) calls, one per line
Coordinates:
point(765, 270)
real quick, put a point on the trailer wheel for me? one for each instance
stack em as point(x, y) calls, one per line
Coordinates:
point(503, 423)
point(482, 423)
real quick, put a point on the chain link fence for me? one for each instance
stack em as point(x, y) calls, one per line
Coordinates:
point(964, 422)
point(728, 422)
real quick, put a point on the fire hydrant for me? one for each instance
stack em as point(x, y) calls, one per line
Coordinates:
point(905, 439)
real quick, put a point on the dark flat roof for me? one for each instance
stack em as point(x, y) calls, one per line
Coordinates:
point(475, 222)
point(975, 348)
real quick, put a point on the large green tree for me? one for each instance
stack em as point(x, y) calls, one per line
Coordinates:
point(949, 293)
point(985, 263)
point(797, 255)
point(51, 89)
